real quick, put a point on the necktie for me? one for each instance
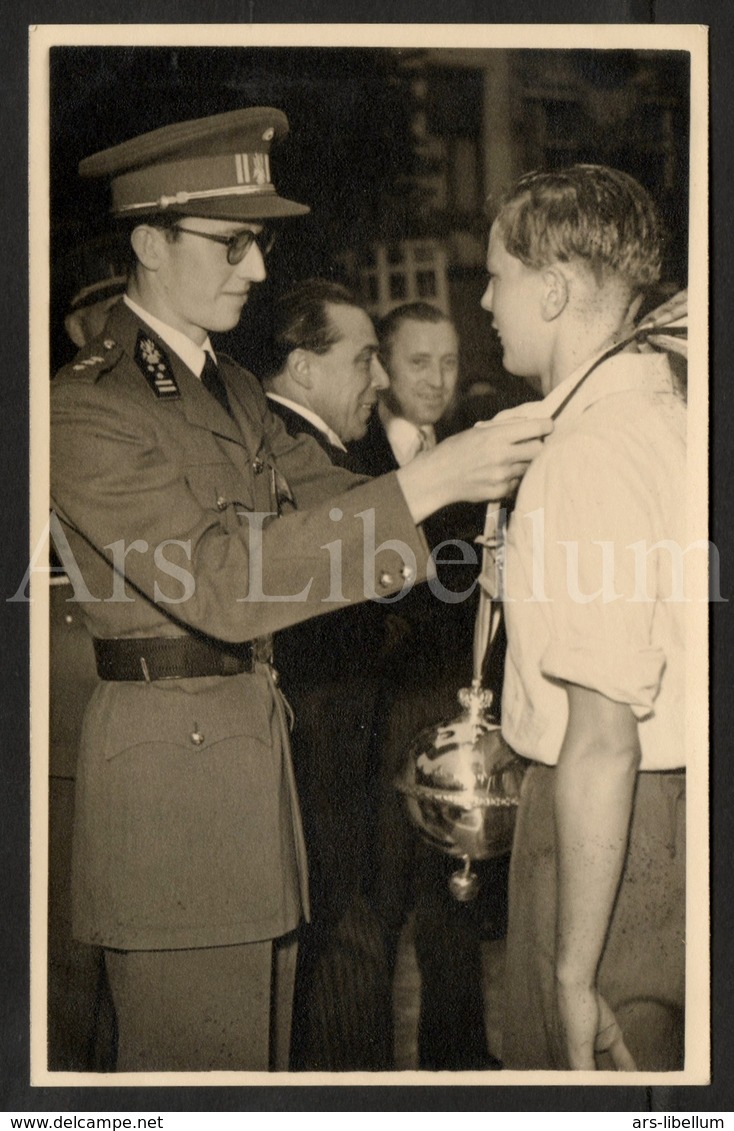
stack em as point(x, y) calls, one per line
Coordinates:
point(213, 383)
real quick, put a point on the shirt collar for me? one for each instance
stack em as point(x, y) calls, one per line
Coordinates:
point(312, 418)
point(403, 436)
point(620, 373)
point(192, 355)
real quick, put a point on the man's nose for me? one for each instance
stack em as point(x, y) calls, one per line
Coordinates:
point(380, 379)
point(252, 265)
point(434, 375)
point(486, 300)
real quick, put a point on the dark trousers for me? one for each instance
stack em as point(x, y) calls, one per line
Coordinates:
point(342, 1012)
point(448, 937)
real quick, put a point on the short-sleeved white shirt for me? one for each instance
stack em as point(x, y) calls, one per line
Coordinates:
point(593, 592)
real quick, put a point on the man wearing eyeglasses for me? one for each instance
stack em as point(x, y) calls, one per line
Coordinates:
point(193, 527)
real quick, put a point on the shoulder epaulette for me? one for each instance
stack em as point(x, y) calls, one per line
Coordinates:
point(96, 358)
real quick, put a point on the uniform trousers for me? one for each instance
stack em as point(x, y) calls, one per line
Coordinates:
point(642, 970)
point(222, 1008)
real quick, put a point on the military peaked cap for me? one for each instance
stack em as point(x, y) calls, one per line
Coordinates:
point(217, 167)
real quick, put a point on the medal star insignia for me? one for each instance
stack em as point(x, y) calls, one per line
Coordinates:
point(150, 351)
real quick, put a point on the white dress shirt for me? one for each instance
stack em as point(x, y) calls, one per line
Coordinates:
point(582, 605)
point(192, 355)
point(405, 438)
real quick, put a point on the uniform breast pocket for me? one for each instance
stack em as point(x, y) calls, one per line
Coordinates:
point(218, 487)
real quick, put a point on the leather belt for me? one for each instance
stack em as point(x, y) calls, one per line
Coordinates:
point(176, 657)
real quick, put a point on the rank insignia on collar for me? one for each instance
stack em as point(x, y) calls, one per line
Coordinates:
point(155, 367)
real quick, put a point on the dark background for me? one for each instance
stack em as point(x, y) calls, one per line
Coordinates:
point(15, 1092)
point(354, 156)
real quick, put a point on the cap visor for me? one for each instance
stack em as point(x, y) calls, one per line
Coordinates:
point(267, 206)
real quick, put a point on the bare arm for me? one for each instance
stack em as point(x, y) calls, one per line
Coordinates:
point(595, 784)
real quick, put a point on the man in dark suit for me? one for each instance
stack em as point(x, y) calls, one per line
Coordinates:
point(324, 379)
point(421, 676)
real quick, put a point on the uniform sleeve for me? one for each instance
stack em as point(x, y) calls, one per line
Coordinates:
point(600, 581)
point(119, 489)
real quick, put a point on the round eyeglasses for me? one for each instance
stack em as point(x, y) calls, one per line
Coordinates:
point(237, 246)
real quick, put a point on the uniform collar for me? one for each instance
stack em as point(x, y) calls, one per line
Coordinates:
point(190, 353)
point(200, 409)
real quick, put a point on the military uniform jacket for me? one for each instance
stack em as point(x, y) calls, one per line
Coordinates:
point(187, 830)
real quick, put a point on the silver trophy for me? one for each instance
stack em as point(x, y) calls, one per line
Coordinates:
point(460, 781)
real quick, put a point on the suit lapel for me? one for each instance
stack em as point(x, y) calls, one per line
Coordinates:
point(384, 455)
point(296, 423)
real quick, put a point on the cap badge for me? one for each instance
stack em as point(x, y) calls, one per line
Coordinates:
point(155, 367)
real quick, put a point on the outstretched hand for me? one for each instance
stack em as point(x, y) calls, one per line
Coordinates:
point(483, 464)
point(590, 1027)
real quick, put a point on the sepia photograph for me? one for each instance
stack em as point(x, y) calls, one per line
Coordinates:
point(370, 564)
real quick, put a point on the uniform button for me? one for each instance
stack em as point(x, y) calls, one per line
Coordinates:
point(407, 573)
point(221, 503)
point(258, 465)
point(386, 580)
point(197, 738)
point(68, 618)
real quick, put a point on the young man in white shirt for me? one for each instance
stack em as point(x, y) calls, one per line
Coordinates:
point(593, 691)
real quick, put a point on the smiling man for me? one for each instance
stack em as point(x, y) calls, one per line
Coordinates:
point(200, 527)
point(327, 372)
point(429, 660)
point(420, 350)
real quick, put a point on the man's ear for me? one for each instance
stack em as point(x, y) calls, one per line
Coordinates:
point(555, 293)
point(147, 245)
point(300, 363)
